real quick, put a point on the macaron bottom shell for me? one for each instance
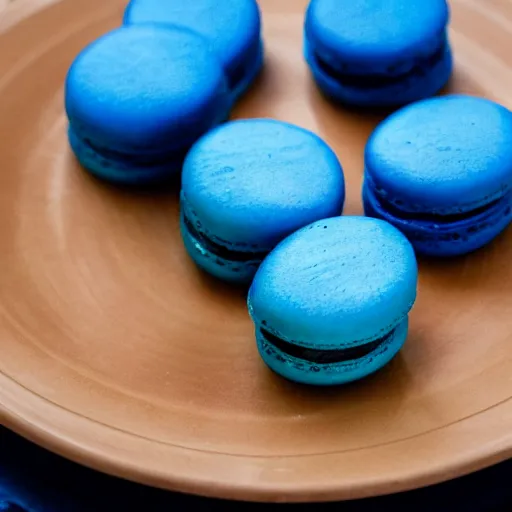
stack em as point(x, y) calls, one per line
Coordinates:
point(122, 171)
point(234, 272)
point(413, 87)
point(460, 235)
point(332, 374)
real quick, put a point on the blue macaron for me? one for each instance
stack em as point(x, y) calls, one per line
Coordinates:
point(376, 53)
point(233, 28)
point(330, 304)
point(139, 97)
point(249, 184)
point(441, 171)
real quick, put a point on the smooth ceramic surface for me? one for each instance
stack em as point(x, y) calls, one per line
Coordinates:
point(119, 354)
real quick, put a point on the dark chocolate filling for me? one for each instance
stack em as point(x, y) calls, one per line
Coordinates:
point(219, 250)
point(434, 217)
point(420, 68)
point(324, 356)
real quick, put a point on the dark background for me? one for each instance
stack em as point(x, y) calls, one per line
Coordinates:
point(35, 480)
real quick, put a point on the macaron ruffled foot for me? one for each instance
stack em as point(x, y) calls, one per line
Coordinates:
point(330, 304)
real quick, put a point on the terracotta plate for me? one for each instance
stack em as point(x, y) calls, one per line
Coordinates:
point(117, 353)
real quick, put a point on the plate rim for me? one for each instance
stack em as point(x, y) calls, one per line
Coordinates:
point(30, 416)
point(27, 416)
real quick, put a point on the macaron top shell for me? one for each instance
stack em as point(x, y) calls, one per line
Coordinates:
point(444, 155)
point(145, 87)
point(336, 283)
point(231, 26)
point(375, 33)
point(256, 181)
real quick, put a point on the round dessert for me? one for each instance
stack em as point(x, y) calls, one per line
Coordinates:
point(330, 304)
point(249, 184)
point(441, 172)
point(378, 53)
point(231, 26)
point(139, 97)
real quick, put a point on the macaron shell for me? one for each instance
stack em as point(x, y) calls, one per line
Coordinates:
point(450, 239)
point(303, 372)
point(444, 155)
point(371, 34)
point(251, 183)
point(251, 71)
point(412, 88)
point(121, 172)
point(231, 26)
point(240, 272)
point(145, 88)
point(337, 283)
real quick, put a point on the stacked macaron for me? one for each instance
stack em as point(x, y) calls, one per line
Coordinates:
point(261, 200)
point(141, 95)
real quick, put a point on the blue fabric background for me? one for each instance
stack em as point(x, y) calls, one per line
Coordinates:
point(34, 480)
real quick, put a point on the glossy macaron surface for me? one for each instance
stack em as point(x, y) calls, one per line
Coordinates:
point(232, 27)
point(146, 89)
point(340, 282)
point(250, 183)
point(442, 156)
